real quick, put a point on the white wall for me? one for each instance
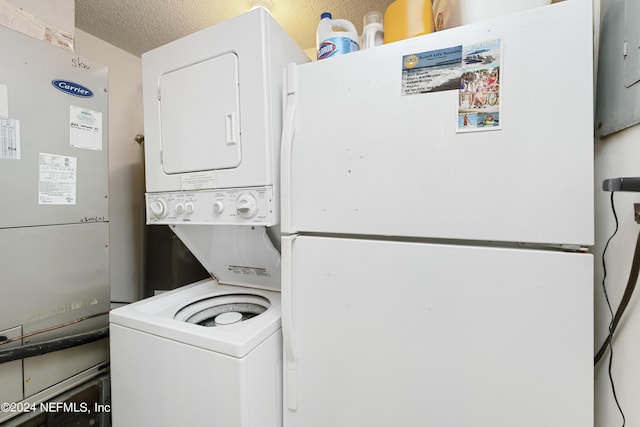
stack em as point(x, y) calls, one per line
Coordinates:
point(617, 156)
point(126, 160)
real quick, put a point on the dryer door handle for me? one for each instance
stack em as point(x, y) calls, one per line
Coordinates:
point(231, 127)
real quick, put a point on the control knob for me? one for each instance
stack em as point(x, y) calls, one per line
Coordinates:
point(218, 207)
point(159, 208)
point(246, 205)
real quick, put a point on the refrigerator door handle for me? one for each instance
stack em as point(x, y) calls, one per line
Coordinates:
point(289, 345)
point(288, 132)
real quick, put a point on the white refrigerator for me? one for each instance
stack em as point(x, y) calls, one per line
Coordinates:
point(435, 267)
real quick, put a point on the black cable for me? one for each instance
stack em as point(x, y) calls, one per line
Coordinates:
point(613, 386)
point(626, 298)
point(604, 264)
point(608, 342)
point(57, 344)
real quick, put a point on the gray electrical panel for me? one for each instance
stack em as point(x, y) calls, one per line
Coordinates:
point(54, 226)
point(618, 94)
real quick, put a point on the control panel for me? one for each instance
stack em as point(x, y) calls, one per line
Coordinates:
point(254, 206)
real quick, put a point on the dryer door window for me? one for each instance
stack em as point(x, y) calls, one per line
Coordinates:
point(199, 116)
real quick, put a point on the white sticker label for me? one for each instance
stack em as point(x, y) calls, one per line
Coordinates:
point(198, 181)
point(85, 128)
point(9, 139)
point(57, 183)
point(249, 271)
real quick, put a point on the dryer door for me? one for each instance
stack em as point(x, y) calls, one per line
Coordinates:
point(199, 116)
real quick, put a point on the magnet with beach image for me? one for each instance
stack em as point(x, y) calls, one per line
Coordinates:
point(479, 94)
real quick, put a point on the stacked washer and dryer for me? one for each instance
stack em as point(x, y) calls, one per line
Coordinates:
point(210, 353)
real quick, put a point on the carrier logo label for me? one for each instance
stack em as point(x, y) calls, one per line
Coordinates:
point(72, 88)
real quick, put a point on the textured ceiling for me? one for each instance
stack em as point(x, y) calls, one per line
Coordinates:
point(137, 26)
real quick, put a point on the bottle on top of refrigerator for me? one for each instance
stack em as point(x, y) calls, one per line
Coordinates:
point(373, 30)
point(335, 37)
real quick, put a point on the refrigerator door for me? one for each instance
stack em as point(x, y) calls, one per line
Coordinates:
point(366, 157)
point(384, 333)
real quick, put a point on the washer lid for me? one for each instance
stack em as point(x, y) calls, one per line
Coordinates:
point(235, 255)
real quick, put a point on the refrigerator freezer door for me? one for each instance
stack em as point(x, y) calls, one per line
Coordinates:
point(382, 333)
point(367, 159)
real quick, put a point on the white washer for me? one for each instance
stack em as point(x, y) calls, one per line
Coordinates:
point(170, 372)
point(205, 354)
